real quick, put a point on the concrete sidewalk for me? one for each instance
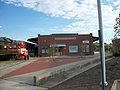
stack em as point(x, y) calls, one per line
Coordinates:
point(10, 85)
point(26, 80)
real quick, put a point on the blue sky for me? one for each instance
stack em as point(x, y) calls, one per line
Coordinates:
point(23, 19)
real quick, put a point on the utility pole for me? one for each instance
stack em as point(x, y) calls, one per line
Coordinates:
point(102, 50)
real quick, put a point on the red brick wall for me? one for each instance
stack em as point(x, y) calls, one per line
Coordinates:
point(47, 40)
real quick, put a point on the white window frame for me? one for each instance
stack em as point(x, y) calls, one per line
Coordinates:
point(44, 50)
point(86, 48)
point(73, 49)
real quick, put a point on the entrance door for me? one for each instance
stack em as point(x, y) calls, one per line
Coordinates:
point(60, 51)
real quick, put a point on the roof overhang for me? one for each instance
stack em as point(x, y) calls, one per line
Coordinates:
point(95, 38)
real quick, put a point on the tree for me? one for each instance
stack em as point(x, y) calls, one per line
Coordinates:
point(52, 51)
point(117, 27)
point(116, 40)
point(116, 47)
point(81, 50)
point(96, 46)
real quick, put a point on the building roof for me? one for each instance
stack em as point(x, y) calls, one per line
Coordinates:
point(35, 40)
point(31, 43)
point(95, 38)
point(66, 34)
point(3, 39)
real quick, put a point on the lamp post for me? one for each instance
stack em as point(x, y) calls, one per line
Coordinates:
point(102, 50)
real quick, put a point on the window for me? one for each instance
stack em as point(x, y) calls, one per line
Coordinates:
point(14, 46)
point(86, 48)
point(44, 50)
point(73, 49)
point(86, 41)
point(0, 46)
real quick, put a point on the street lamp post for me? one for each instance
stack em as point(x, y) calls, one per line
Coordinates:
point(102, 50)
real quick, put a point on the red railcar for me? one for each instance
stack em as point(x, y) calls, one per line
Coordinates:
point(12, 49)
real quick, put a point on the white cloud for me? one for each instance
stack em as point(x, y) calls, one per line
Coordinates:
point(0, 27)
point(116, 2)
point(84, 12)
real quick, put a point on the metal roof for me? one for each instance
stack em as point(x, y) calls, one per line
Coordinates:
point(3, 39)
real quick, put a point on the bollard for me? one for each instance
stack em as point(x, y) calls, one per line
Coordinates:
point(34, 80)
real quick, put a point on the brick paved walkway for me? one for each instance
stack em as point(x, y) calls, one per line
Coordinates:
point(44, 63)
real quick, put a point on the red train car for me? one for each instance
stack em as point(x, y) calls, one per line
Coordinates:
point(12, 49)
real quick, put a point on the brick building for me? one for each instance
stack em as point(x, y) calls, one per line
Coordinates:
point(67, 44)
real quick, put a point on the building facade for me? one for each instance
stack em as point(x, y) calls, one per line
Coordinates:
point(65, 44)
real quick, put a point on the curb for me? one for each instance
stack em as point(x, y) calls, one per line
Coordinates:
point(116, 85)
point(85, 69)
point(82, 67)
point(58, 70)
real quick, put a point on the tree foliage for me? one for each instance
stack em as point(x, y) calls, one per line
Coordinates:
point(117, 27)
point(52, 50)
point(116, 40)
point(116, 47)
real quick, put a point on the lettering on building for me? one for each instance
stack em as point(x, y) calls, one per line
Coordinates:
point(65, 38)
